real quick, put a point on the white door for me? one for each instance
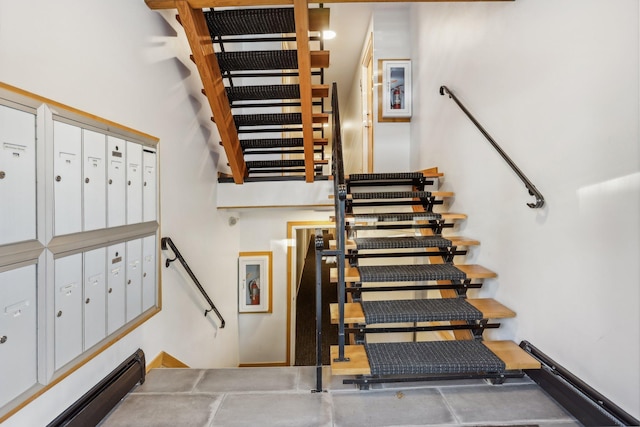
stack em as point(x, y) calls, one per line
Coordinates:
point(17, 175)
point(116, 173)
point(18, 342)
point(94, 146)
point(94, 299)
point(67, 173)
point(68, 308)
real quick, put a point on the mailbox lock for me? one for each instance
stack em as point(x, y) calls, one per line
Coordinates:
point(3, 339)
point(129, 282)
point(59, 313)
point(145, 183)
point(58, 178)
point(110, 290)
point(88, 301)
point(128, 182)
point(110, 181)
point(86, 180)
point(144, 274)
point(2, 174)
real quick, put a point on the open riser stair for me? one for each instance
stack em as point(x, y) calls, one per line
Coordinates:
point(270, 63)
point(407, 315)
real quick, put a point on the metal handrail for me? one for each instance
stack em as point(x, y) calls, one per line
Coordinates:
point(533, 191)
point(340, 197)
point(166, 243)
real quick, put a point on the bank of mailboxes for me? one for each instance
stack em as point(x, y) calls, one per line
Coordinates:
point(100, 180)
point(99, 291)
point(93, 182)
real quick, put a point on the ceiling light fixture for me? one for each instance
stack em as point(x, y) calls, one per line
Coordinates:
point(328, 34)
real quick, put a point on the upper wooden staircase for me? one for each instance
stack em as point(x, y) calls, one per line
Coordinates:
point(264, 85)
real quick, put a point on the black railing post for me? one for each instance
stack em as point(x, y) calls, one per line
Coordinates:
point(167, 243)
point(533, 191)
point(319, 246)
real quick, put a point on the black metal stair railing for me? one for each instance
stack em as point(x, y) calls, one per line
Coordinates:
point(533, 191)
point(167, 243)
point(340, 197)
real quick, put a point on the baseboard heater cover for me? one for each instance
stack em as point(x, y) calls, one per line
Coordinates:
point(588, 406)
point(91, 408)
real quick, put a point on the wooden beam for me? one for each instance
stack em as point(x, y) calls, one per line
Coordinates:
point(318, 19)
point(301, 13)
point(195, 28)
point(201, 4)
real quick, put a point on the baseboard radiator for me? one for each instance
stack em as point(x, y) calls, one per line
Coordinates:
point(581, 400)
point(91, 408)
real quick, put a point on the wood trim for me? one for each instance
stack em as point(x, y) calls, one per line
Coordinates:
point(301, 12)
point(262, 365)
point(165, 360)
point(199, 4)
point(197, 33)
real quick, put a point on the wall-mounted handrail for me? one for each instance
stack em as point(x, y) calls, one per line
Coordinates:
point(532, 188)
point(166, 243)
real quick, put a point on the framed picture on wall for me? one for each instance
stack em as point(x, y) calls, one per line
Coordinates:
point(254, 282)
point(394, 94)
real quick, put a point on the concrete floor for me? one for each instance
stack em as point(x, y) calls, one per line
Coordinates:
point(281, 397)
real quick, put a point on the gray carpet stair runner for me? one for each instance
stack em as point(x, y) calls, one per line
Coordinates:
point(397, 216)
point(364, 243)
point(250, 21)
point(273, 119)
point(258, 60)
point(385, 176)
point(419, 310)
point(253, 93)
point(409, 273)
point(432, 357)
point(390, 195)
point(267, 143)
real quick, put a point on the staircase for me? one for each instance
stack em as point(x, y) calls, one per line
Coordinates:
point(265, 86)
point(407, 315)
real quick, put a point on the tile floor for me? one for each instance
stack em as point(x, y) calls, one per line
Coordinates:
point(253, 397)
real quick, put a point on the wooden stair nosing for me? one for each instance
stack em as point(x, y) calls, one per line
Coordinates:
point(320, 91)
point(490, 308)
point(509, 352)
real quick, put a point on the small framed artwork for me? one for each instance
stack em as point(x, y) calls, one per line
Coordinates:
point(254, 282)
point(394, 94)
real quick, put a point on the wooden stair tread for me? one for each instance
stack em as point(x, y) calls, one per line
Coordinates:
point(358, 363)
point(490, 308)
point(319, 58)
point(513, 357)
point(320, 91)
point(320, 118)
point(473, 271)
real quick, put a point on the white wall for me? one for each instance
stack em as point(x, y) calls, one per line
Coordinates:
point(391, 40)
point(263, 337)
point(118, 60)
point(556, 84)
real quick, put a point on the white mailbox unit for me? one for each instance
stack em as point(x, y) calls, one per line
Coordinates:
point(78, 239)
